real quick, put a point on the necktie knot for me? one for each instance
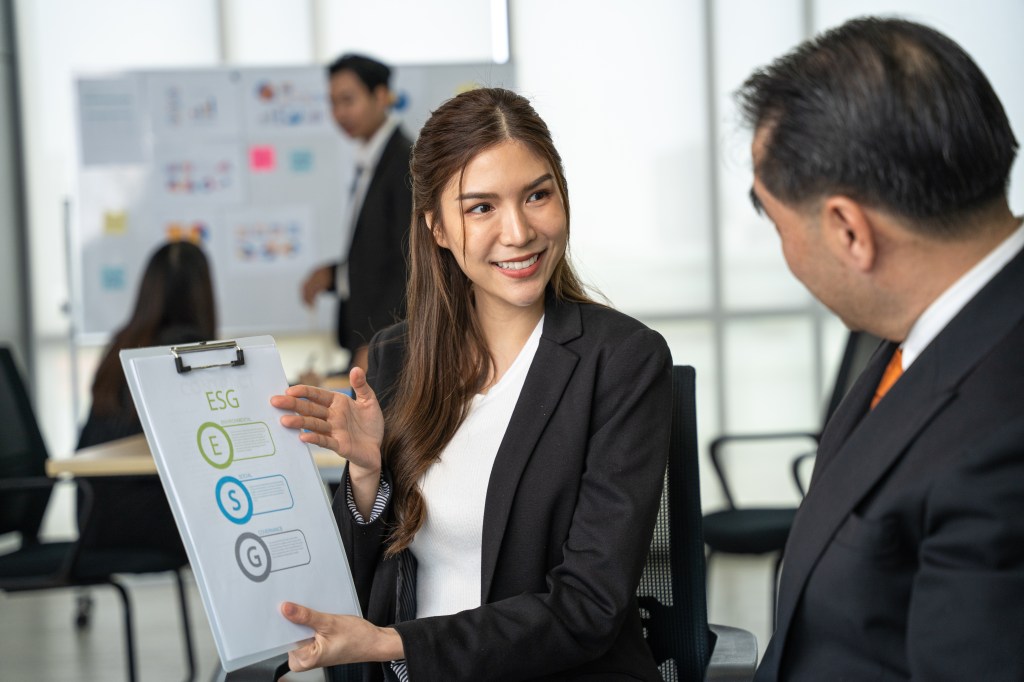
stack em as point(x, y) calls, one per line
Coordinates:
point(893, 371)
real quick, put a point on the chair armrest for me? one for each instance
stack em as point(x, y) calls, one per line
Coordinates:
point(27, 482)
point(797, 462)
point(734, 657)
point(16, 483)
point(718, 443)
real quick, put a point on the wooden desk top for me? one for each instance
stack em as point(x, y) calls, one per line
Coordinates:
point(131, 457)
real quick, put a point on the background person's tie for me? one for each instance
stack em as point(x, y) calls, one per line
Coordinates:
point(893, 371)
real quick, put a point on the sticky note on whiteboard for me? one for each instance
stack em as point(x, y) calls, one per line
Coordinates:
point(262, 158)
point(115, 222)
point(302, 160)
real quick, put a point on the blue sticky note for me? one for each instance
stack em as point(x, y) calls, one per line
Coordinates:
point(301, 160)
point(112, 278)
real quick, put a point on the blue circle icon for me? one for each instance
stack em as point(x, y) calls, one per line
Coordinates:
point(234, 500)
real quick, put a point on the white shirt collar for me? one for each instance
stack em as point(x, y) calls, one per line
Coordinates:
point(368, 152)
point(944, 308)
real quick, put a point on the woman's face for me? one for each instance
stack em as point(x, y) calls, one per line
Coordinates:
point(515, 228)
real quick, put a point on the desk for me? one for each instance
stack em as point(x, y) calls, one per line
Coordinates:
point(131, 457)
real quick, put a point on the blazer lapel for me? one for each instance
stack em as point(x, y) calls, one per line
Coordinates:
point(852, 408)
point(549, 374)
point(859, 447)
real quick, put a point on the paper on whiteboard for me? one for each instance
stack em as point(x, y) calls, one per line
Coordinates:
point(199, 174)
point(194, 106)
point(110, 121)
point(260, 240)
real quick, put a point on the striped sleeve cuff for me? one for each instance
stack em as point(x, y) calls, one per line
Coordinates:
point(381, 501)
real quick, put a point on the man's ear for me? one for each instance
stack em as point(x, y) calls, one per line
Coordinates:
point(384, 96)
point(849, 232)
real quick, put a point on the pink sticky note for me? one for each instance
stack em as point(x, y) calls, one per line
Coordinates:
point(262, 158)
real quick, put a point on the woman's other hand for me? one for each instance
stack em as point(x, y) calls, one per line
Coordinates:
point(339, 639)
point(352, 427)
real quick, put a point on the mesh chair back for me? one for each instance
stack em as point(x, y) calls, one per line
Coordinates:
point(672, 594)
point(22, 454)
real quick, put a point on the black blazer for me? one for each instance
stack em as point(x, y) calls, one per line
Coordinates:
point(571, 506)
point(377, 256)
point(906, 559)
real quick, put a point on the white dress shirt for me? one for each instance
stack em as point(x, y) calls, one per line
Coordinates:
point(944, 308)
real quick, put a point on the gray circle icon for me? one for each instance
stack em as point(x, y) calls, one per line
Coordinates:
point(253, 557)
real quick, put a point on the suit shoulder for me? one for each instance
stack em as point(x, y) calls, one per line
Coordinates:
point(613, 323)
point(400, 144)
point(390, 336)
point(605, 331)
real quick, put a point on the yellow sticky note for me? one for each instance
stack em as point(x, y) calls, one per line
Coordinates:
point(115, 222)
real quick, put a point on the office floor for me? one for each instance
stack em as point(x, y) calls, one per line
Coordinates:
point(38, 640)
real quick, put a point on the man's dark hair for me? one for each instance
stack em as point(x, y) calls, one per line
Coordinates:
point(888, 112)
point(371, 72)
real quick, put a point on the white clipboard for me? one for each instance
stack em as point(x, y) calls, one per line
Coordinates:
point(250, 505)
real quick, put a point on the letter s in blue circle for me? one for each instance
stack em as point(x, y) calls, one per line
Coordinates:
point(241, 509)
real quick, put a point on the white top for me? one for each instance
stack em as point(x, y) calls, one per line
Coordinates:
point(447, 547)
point(943, 309)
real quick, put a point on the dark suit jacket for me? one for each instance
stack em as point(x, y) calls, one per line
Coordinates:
point(906, 559)
point(571, 505)
point(377, 269)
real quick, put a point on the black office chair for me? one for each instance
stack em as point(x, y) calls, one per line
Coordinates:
point(37, 564)
point(672, 592)
point(763, 530)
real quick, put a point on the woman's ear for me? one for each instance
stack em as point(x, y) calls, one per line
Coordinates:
point(437, 230)
point(849, 232)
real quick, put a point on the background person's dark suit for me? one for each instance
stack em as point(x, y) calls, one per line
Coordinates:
point(570, 509)
point(377, 268)
point(906, 559)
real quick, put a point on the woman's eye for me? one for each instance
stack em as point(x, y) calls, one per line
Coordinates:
point(481, 208)
point(539, 195)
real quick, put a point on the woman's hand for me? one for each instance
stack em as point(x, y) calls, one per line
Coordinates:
point(339, 639)
point(354, 428)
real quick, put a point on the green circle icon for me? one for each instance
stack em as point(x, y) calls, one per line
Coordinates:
point(215, 445)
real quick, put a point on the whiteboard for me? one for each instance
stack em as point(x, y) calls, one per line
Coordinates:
point(247, 162)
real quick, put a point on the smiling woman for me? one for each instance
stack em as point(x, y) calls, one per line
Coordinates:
point(507, 228)
point(506, 449)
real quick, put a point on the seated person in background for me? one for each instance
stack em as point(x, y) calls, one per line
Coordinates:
point(174, 305)
point(507, 447)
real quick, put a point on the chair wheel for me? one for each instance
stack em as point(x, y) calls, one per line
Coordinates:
point(83, 611)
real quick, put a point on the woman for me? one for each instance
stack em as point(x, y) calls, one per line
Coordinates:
point(174, 305)
point(504, 469)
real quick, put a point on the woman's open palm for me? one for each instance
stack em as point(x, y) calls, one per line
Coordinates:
point(354, 428)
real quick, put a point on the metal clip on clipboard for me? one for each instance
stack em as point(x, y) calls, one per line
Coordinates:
point(203, 346)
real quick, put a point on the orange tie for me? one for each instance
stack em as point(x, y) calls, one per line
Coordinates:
point(892, 373)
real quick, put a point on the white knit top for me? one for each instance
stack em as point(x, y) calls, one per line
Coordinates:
point(447, 547)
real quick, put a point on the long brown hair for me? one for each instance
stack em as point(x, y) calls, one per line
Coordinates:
point(175, 297)
point(447, 360)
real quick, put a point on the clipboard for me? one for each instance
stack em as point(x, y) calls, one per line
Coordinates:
point(253, 513)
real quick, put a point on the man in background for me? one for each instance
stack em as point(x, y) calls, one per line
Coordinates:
point(370, 282)
point(882, 155)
